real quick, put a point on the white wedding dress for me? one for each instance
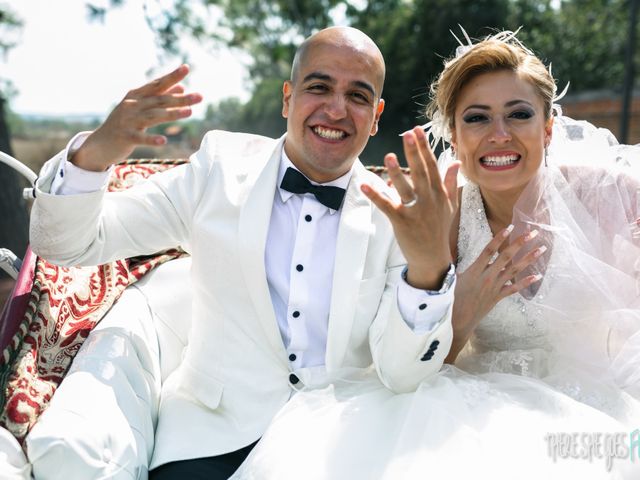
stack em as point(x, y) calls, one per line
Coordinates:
point(531, 377)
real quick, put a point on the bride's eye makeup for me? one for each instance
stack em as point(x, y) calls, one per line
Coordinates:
point(522, 114)
point(474, 117)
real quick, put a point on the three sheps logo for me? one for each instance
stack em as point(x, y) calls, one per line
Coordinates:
point(592, 446)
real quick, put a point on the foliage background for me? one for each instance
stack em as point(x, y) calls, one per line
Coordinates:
point(585, 39)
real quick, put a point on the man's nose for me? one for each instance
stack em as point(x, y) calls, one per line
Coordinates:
point(336, 107)
point(500, 131)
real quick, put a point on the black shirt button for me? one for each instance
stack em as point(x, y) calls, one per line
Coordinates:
point(293, 379)
point(422, 306)
point(308, 218)
point(299, 267)
point(296, 314)
point(292, 357)
point(427, 356)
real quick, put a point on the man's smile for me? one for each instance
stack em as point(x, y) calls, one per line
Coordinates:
point(329, 133)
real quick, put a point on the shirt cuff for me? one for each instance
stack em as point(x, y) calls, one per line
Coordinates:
point(72, 180)
point(423, 311)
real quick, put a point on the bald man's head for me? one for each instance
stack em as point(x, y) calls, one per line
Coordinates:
point(332, 102)
point(344, 38)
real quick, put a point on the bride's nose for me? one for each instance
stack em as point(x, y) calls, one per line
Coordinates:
point(500, 131)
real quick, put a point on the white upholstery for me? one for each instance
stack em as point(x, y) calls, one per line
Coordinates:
point(101, 420)
point(13, 462)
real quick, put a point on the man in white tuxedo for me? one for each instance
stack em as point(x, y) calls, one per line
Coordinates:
point(296, 275)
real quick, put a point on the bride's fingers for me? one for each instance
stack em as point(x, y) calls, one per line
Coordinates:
point(507, 255)
point(490, 252)
point(511, 271)
point(515, 287)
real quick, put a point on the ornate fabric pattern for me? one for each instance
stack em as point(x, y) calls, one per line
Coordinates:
point(64, 306)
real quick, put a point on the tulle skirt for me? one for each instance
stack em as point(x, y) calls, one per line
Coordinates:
point(455, 426)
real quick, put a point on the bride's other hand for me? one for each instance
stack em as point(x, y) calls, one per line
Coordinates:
point(487, 281)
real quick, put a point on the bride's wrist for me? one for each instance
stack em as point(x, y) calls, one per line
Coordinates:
point(461, 336)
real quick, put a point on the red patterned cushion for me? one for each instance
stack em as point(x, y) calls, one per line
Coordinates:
point(63, 307)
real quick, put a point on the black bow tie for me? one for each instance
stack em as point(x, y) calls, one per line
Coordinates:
point(329, 196)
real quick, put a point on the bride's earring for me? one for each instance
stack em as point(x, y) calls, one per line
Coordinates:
point(545, 156)
point(547, 140)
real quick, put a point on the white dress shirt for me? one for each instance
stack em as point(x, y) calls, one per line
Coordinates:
point(299, 262)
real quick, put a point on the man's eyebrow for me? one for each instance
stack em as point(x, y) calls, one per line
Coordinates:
point(366, 86)
point(318, 76)
point(330, 79)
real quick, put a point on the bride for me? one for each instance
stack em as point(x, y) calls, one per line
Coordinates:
point(544, 380)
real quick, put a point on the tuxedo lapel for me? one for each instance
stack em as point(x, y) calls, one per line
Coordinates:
point(253, 229)
point(351, 250)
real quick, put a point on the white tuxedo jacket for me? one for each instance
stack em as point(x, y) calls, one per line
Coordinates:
point(235, 373)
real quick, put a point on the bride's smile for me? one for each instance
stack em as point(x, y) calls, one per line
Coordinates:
point(500, 131)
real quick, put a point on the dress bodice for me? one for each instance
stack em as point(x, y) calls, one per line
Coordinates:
point(514, 323)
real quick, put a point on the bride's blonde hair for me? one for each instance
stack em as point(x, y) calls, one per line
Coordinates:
point(502, 51)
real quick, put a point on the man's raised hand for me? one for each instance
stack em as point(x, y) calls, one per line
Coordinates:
point(159, 101)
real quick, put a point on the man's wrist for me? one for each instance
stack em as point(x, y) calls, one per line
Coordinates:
point(83, 158)
point(435, 282)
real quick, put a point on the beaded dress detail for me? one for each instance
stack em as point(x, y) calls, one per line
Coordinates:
point(513, 336)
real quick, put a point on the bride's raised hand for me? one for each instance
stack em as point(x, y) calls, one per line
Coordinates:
point(487, 281)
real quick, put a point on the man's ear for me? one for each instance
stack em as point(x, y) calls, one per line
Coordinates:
point(376, 119)
point(286, 95)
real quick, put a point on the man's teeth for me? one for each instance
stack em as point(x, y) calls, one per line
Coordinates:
point(501, 160)
point(328, 133)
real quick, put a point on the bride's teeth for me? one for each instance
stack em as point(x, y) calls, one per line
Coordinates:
point(328, 133)
point(501, 160)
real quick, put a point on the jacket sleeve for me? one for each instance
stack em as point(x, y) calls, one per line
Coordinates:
point(98, 227)
point(404, 358)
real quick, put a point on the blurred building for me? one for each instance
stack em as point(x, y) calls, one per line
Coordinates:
point(603, 108)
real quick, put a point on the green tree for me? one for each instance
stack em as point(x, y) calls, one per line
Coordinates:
point(584, 40)
point(224, 115)
point(13, 212)
point(590, 45)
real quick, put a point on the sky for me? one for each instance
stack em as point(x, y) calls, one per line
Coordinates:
point(66, 65)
